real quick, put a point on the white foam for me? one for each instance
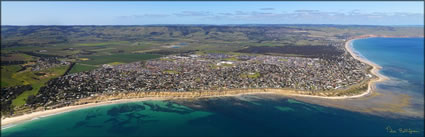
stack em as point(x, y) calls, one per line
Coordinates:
point(7, 126)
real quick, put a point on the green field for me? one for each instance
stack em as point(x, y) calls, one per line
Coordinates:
point(36, 82)
point(171, 72)
point(7, 74)
point(10, 77)
point(283, 60)
point(28, 77)
point(124, 44)
point(81, 67)
point(250, 75)
point(125, 58)
point(104, 43)
point(16, 57)
point(231, 59)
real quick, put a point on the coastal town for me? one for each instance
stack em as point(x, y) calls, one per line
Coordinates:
point(206, 72)
point(186, 66)
point(212, 68)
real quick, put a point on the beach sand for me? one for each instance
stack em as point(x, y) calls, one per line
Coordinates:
point(374, 71)
point(6, 122)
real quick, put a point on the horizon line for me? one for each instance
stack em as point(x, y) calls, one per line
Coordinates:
point(413, 25)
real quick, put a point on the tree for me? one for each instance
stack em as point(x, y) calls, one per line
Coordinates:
point(31, 99)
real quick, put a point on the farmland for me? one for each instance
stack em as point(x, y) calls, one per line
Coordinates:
point(7, 74)
point(92, 62)
point(81, 67)
point(30, 78)
point(34, 55)
point(125, 58)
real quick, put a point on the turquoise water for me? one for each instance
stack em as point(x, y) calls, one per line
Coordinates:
point(215, 117)
point(402, 59)
point(249, 115)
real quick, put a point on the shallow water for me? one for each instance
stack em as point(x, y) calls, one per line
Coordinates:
point(255, 115)
point(245, 115)
point(402, 59)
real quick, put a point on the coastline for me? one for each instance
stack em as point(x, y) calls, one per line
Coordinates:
point(375, 67)
point(11, 121)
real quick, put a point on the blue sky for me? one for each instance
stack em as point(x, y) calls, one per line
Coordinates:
point(141, 13)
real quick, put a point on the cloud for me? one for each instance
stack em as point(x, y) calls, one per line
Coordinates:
point(153, 15)
point(320, 17)
point(294, 17)
point(241, 13)
point(307, 11)
point(144, 16)
point(354, 12)
point(194, 13)
point(226, 14)
point(267, 9)
point(261, 13)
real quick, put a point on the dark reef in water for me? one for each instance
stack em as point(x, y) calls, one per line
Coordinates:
point(246, 115)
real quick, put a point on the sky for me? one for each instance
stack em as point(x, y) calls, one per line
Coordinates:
point(212, 12)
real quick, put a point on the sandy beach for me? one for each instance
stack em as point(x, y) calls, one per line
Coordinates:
point(374, 71)
point(8, 122)
point(18, 119)
point(371, 85)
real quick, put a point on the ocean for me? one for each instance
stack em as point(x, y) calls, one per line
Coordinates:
point(401, 59)
point(253, 115)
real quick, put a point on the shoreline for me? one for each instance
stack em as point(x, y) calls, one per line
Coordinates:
point(12, 121)
point(375, 67)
